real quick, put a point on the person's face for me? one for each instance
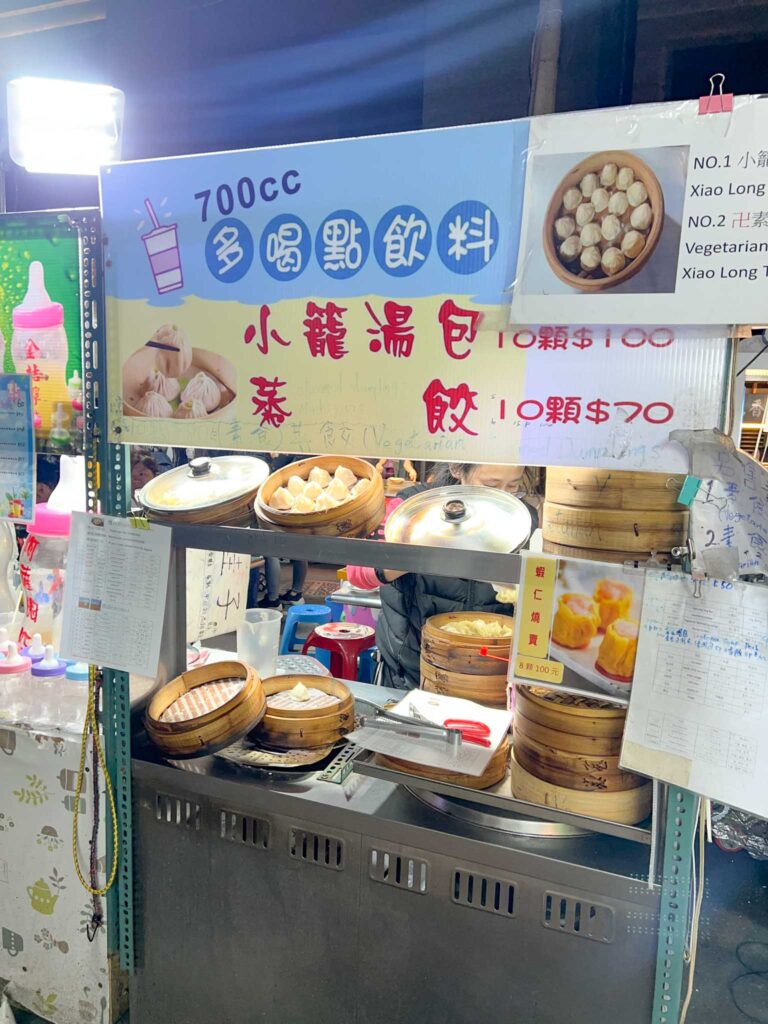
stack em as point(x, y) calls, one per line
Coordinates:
point(43, 491)
point(503, 478)
point(140, 475)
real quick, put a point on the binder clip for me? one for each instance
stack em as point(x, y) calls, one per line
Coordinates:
point(717, 102)
point(139, 522)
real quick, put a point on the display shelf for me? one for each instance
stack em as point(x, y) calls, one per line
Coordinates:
point(364, 764)
point(474, 565)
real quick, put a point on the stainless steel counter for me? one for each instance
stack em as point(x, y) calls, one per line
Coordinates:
point(279, 900)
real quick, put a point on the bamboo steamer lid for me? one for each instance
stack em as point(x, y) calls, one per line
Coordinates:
point(574, 743)
point(614, 530)
point(570, 713)
point(298, 728)
point(215, 705)
point(455, 652)
point(355, 518)
point(587, 779)
point(484, 689)
point(494, 772)
point(593, 554)
point(612, 489)
point(626, 807)
point(219, 490)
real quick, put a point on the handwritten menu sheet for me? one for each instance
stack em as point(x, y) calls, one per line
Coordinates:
point(217, 592)
point(698, 713)
point(729, 513)
point(114, 600)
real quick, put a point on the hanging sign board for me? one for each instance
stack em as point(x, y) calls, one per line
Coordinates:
point(353, 297)
point(17, 449)
point(681, 200)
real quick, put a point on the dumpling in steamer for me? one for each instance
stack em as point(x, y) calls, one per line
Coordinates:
point(168, 387)
point(190, 410)
point(324, 503)
point(174, 353)
point(281, 500)
point(154, 404)
point(204, 389)
point(337, 490)
point(360, 487)
point(346, 476)
point(600, 200)
point(312, 490)
point(295, 485)
point(624, 178)
point(588, 184)
point(318, 475)
point(564, 227)
point(641, 217)
point(637, 194)
point(591, 234)
point(571, 199)
point(303, 504)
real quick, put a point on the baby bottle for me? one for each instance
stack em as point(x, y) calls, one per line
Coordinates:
point(47, 687)
point(15, 680)
point(42, 569)
point(36, 650)
point(76, 695)
point(39, 346)
point(59, 435)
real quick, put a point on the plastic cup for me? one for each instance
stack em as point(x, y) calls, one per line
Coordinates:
point(162, 245)
point(258, 639)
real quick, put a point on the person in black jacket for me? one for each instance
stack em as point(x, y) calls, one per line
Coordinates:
point(408, 599)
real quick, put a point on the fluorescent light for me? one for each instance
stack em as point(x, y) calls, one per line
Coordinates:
point(61, 127)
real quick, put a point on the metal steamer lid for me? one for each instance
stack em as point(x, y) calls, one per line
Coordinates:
point(466, 517)
point(204, 483)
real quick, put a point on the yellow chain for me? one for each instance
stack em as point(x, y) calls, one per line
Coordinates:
point(92, 723)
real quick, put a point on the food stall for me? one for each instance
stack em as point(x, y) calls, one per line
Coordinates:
point(330, 299)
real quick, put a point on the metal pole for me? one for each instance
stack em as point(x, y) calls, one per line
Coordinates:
point(544, 57)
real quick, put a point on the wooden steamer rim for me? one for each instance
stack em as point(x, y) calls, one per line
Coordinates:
point(215, 729)
point(573, 743)
point(288, 729)
point(452, 652)
point(484, 689)
point(587, 780)
point(613, 489)
point(355, 518)
point(495, 771)
point(613, 530)
point(574, 719)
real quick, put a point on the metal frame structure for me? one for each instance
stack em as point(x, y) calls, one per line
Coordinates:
point(108, 479)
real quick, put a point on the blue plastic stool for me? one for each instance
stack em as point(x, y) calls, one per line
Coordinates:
point(367, 664)
point(337, 609)
point(315, 615)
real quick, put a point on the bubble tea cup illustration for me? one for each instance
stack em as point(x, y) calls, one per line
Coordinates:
point(162, 245)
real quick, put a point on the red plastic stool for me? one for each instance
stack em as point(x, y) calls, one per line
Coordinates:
point(345, 641)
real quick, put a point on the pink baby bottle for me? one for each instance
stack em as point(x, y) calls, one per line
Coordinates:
point(39, 346)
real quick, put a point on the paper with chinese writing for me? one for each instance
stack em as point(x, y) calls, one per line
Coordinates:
point(217, 592)
point(729, 513)
point(698, 715)
point(17, 449)
point(578, 655)
point(317, 287)
point(114, 601)
point(469, 759)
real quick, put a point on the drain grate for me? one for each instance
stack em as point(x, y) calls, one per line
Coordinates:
point(175, 811)
point(396, 869)
point(244, 829)
point(316, 848)
point(483, 892)
point(568, 914)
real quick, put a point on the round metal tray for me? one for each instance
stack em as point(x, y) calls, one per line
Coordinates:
point(495, 818)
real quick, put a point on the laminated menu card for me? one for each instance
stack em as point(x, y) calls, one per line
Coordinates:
point(698, 714)
point(576, 626)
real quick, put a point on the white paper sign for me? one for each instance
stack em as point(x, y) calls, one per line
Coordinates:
point(708, 195)
point(217, 592)
point(729, 515)
point(698, 712)
point(114, 599)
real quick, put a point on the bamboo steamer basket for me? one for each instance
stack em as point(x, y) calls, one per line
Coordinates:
point(218, 491)
point(289, 729)
point(567, 761)
point(626, 807)
point(483, 689)
point(566, 712)
point(614, 530)
point(456, 653)
point(588, 779)
point(215, 729)
point(355, 518)
point(612, 489)
point(565, 551)
point(138, 366)
point(573, 743)
point(595, 162)
point(494, 772)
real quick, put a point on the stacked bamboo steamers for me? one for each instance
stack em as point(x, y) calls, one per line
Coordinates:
point(612, 516)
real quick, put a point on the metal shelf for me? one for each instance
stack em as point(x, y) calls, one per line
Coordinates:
point(364, 764)
point(473, 565)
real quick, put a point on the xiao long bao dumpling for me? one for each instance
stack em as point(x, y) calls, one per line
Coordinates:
point(571, 199)
point(204, 389)
point(325, 503)
point(312, 490)
point(191, 410)
point(155, 405)
point(564, 227)
point(600, 200)
point(570, 249)
point(588, 184)
point(591, 234)
point(168, 387)
point(584, 214)
point(608, 175)
point(346, 476)
point(318, 475)
point(295, 485)
point(303, 504)
point(613, 261)
point(337, 490)
point(641, 217)
point(282, 500)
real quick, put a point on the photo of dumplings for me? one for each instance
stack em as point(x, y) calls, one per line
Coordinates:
point(603, 221)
